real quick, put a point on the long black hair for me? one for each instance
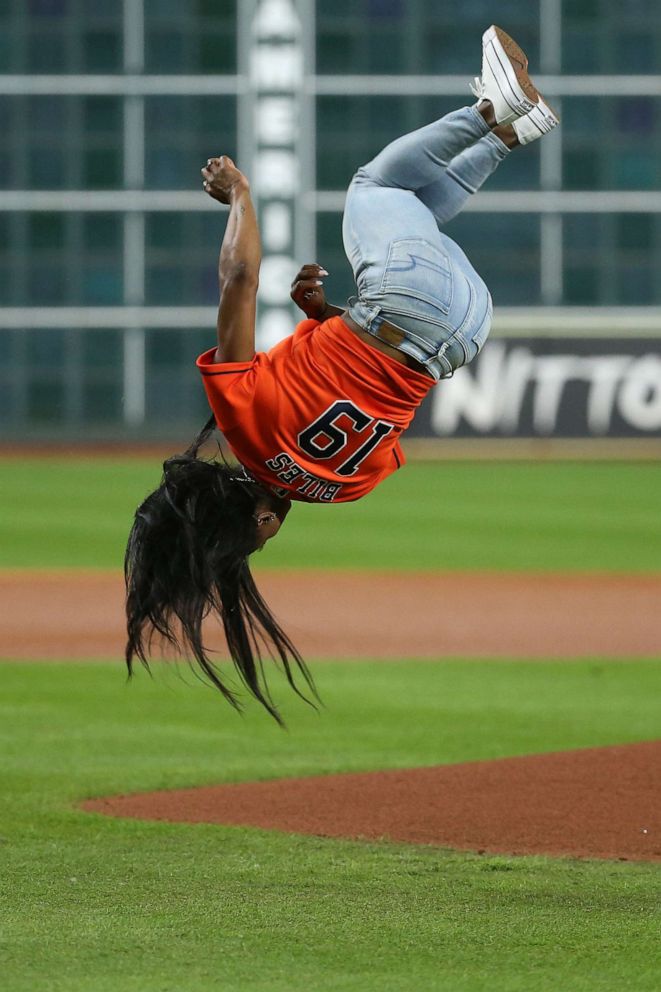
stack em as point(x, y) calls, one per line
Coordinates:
point(187, 558)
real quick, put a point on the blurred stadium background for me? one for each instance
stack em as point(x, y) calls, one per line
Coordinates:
point(108, 245)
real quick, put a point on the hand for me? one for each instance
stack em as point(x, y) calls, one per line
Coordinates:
point(307, 291)
point(222, 180)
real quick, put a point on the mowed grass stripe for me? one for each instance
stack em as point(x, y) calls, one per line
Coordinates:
point(90, 903)
point(495, 516)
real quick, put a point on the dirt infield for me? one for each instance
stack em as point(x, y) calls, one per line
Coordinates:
point(355, 615)
point(599, 802)
point(593, 803)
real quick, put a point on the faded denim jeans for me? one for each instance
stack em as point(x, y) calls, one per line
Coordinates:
point(407, 271)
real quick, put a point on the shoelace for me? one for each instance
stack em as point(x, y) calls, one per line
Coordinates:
point(477, 87)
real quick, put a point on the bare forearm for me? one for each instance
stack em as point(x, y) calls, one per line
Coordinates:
point(238, 265)
point(240, 252)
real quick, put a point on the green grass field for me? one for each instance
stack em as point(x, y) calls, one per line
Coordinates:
point(90, 904)
point(522, 516)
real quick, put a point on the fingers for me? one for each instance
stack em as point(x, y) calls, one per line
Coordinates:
point(309, 273)
point(306, 288)
point(207, 177)
point(311, 269)
point(219, 177)
point(220, 162)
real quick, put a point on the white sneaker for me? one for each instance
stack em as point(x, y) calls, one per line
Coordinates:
point(539, 121)
point(505, 81)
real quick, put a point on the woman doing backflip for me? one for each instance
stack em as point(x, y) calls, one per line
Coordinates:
point(319, 417)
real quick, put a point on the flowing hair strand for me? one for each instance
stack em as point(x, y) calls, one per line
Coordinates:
point(187, 560)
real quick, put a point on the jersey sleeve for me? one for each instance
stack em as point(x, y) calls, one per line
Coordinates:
point(306, 326)
point(230, 387)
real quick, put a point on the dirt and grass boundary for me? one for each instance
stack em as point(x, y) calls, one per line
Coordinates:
point(599, 802)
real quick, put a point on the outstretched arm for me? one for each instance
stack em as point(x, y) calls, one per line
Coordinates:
point(238, 264)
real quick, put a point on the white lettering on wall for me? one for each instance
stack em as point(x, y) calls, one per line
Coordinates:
point(639, 399)
point(607, 373)
point(275, 278)
point(476, 398)
point(275, 173)
point(276, 58)
point(275, 120)
point(552, 373)
point(277, 231)
point(490, 396)
point(516, 374)
point(276, 67)
point(276, 19)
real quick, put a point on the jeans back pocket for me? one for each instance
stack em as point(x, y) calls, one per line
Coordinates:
point(419, 269)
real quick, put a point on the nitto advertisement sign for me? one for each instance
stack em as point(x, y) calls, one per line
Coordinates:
point(560, 387)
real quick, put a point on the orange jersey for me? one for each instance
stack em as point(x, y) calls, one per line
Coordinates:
point(318, 418)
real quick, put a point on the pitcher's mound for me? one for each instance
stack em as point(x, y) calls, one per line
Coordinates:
point(597, 802)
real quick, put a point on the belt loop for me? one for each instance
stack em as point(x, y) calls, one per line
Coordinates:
point(443, 362)
point(372, 314)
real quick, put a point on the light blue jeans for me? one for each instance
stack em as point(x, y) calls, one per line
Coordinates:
point(407, 271)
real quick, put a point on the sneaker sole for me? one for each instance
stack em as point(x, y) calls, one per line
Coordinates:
point(517, 60)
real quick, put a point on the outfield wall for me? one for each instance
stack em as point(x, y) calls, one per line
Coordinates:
point(561, 374)
point(108, 246)
point(555, 380)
